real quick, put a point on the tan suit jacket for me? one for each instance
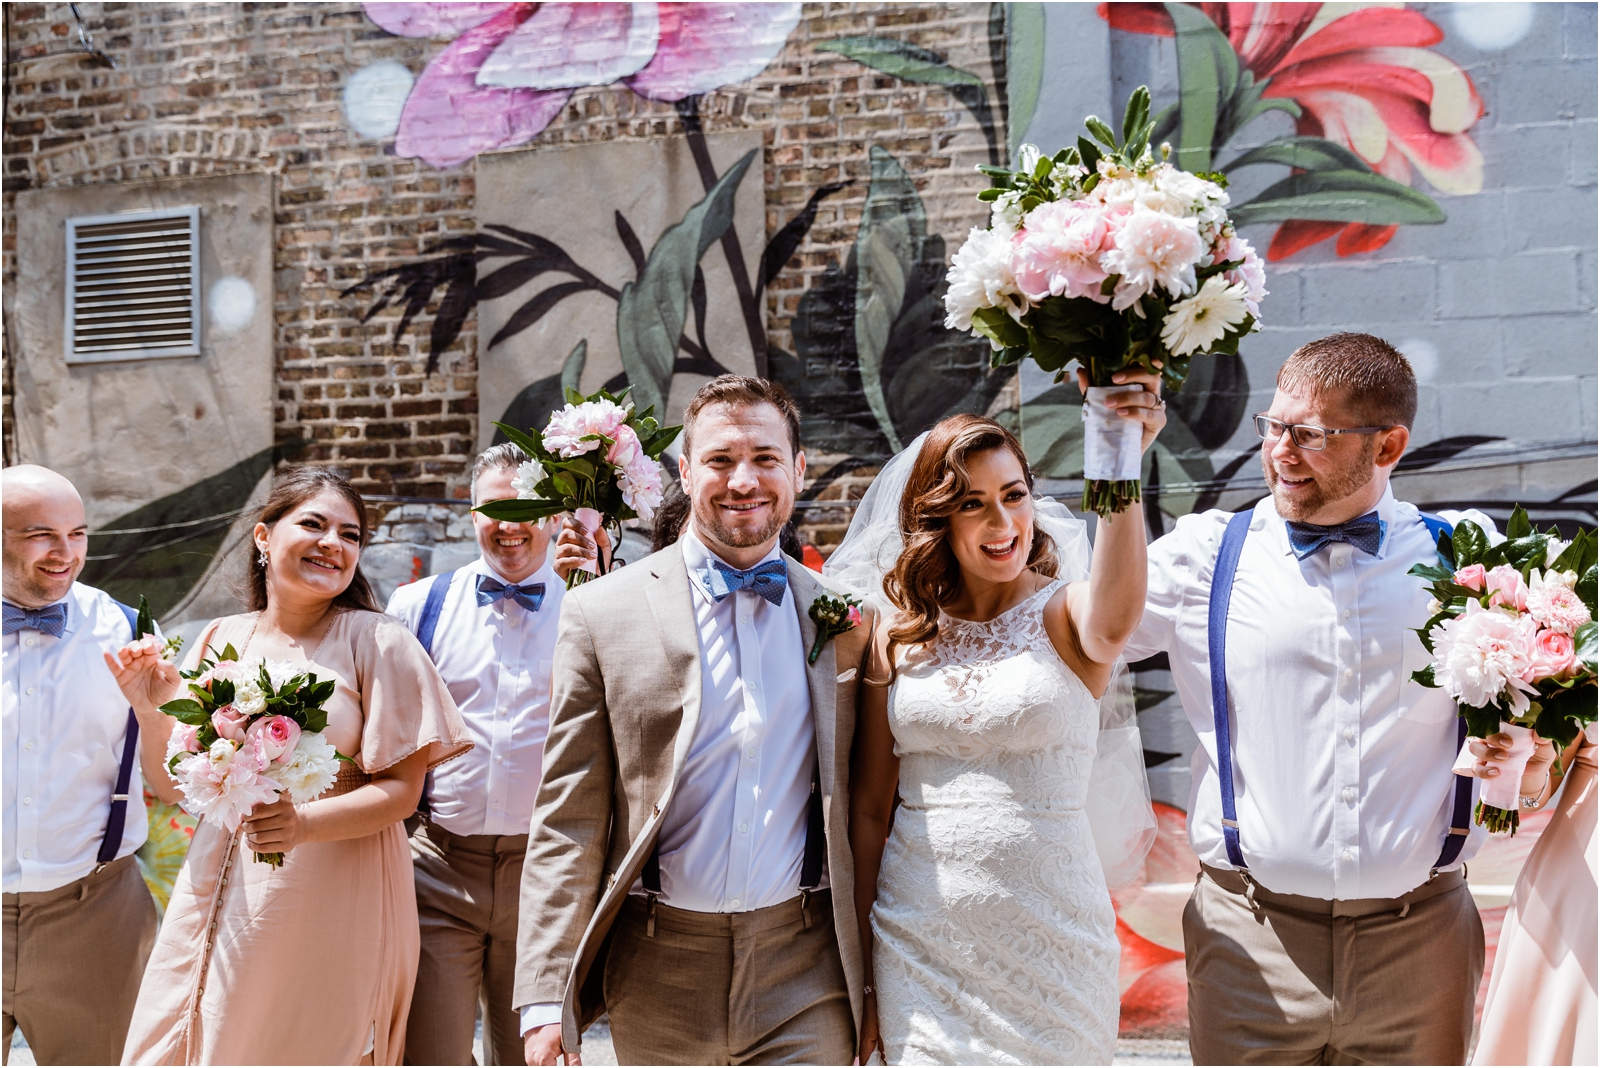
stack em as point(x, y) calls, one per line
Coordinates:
point(623, 711)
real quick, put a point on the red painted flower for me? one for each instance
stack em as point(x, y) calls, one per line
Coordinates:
point(1364, 79)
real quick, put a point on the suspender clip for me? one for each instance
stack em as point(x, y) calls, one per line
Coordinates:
point(805, 900)
point(650, 918)
point(1230, 823)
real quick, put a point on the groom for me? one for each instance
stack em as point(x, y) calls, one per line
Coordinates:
point(688, 869)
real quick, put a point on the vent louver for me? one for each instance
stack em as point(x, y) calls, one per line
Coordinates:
point(133, 285)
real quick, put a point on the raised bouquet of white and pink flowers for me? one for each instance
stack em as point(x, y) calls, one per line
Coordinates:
point(597, 460)
point(1107, 255)
point(1513, 638)
point(249, 732)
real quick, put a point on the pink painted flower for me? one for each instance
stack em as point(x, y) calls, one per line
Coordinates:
point(513, 66)
point(1057, 252)
point(594, 419)
point(1553, 657)
point(1365, 78)
point(1506, 588)
point(274, 739)
point(230, 723)
point(1552, 600)
point(1151, 249)
point(1473, 577)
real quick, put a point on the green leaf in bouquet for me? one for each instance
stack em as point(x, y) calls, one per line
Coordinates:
point(1432, 572)
point(1134, 116)
point(1586, 589)
point(320, 692)
point(1481, 722)
point(1425, 678)
point(1100, 131)
point(1470, 544)
point(1089, 154)
point(1202, 273)
point(145, 622)
point(581, 467)
point(1518, 525)
point(1562, 715)
point(573, 396)
point(995, 324)
point(530, 446)
point(1424, 634)
point(1001, 175)
point(1571, 558)
point(514, 510)
point(316, 720)
point(565, 484)
point(228, 653)
point(1586, 646)
point(186, 711)
point(1525, 552)
point(990, 195)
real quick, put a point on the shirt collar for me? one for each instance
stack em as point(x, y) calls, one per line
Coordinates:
point(697, 556)
point(1274, 522)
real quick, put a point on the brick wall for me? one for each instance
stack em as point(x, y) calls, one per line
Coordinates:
point(213, 88)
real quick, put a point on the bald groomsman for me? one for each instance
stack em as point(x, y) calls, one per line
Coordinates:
point(79, 921)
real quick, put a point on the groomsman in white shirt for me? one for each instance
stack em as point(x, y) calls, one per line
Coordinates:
point(491, 630)
point(79, 920)
point(1331, 922)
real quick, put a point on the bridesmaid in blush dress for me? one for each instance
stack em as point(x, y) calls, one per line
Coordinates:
point(1542, 999)
point(312, 962)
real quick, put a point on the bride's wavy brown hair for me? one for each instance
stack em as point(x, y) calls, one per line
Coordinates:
point(927, 576)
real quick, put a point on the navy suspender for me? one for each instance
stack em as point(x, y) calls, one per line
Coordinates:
point(118, 818)
point(1217, 639)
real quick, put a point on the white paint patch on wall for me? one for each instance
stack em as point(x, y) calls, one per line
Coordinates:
point(231, 304)
point(375, 96)
point(1493, 27)
point(1423, 356)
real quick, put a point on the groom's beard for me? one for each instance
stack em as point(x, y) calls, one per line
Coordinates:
point(1330, 488)
point(709, 518)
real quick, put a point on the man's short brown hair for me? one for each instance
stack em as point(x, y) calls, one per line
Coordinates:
point(742, 391)
point(1367, 373)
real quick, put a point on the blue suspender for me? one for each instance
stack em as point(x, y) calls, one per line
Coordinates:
point(426, 625)
point(1217, 641)
point(118, 817)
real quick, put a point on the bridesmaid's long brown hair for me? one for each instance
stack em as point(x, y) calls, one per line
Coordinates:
point(927, 576)
point(294, 488)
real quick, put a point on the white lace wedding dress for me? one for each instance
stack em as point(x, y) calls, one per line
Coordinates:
point(993, 936)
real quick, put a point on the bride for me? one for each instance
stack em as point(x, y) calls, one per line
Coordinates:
point(986, 925)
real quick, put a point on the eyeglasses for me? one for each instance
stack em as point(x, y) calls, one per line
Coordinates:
point(1312, 438)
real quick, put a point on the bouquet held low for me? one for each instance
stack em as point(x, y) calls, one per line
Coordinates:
point(1513, 640)
point(249, 732)
point(597, 459)
point(1108, 255)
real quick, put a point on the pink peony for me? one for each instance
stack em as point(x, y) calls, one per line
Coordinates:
point(1480, 657)
point(185, 738)
point(1506, 588)
point(1057, 252)
point(1473, 577)
point(1553, 657)
point(1252, 272)
point(640, 483)
point(1153, 249)
point(274, 739)
point(625, 449)
point(224, 783)
point(1552, 601)
point(230, 723)
point(572, 424)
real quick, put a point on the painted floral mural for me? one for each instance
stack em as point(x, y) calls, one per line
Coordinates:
point(1363, 80)
point(513, 66)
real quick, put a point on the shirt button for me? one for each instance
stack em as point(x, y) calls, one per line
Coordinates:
point(27, 745)
point(750, 754)
point(499, 758)
point(1347, 613)
point(1348, 672)
point(744, 828)
point(27, 854)
point(1345, 856)
point(29, 641)
point(1348, 794)
point(27, 800)
point(30, 689)
point(1349, 734)
point(736, 902)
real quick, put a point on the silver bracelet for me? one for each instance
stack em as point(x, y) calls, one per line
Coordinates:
point(1530, 802)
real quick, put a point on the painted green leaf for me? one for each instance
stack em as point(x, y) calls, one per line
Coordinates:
point(1208, 72)
point(1339, 196)
point(913, 64)
point(531, 408)
point(1052, 432)
point(651, 312)
point(1024, 69)
point(1302, 153)
point(888, 244)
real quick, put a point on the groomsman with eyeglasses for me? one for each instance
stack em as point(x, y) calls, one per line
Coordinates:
point(79, 920)
point(491, 630)
point(1331, 922)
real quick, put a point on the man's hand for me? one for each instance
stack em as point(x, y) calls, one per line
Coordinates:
point(574, 546)
point(542, 1045)
point(146, 680)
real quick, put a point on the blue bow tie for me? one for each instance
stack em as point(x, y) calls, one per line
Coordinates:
point(767, 580)
point(1365, 533)
point(51, 619)
point(491, 590)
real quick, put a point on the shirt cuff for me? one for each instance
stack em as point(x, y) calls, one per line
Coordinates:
point(540, 1014)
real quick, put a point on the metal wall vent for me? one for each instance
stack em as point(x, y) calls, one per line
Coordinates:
point(133, 285)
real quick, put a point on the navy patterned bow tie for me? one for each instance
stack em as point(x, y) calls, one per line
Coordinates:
point(765, 580)
point(491, 590)
point(51, 619)
point(1364, 532)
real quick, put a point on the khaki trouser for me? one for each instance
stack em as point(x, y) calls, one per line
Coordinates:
point(762, 987)
point(467, 891)
point(1299, 980)
point(73, 960)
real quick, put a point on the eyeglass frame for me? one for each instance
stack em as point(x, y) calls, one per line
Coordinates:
point(1292, 428)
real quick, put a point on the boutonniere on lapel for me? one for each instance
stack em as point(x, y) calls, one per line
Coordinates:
point(833, 617)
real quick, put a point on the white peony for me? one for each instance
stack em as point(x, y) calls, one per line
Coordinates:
point(1481, 655)
point(310, 771)
point(1194, 325)
point(1006, 215)
point(247, 695)
point(980, 277)
point(1153, 249)
point(281, 671)
point(1553, 549)
point(529, 474)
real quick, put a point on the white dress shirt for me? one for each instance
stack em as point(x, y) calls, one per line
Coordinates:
point(733, 837)
point(64, 723)
point(495, 660)
point(1342, 764)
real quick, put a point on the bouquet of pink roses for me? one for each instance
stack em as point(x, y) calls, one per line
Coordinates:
point(249, 732)
point(1108, 255)
point(1513, 638)
point(598, 460)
